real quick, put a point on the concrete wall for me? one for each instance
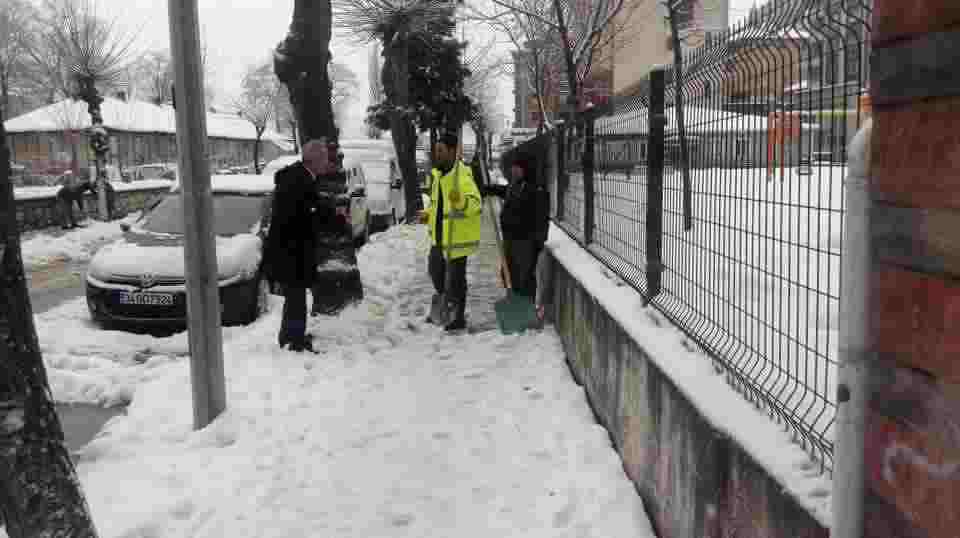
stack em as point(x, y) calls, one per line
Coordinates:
point(36, 213)
point(695, 481)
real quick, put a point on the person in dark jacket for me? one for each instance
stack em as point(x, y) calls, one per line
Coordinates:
point(291, 244)
point(524, 221)
point(71, 193)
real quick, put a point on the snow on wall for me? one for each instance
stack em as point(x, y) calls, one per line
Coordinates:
point(690, 372)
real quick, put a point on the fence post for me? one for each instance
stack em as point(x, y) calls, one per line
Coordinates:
point(561, 170)
point(588, 184)
point(657, 120)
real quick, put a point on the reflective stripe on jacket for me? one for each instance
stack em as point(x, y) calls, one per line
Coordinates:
point(461, 223)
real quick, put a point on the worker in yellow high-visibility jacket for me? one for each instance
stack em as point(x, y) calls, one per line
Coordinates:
point(453, 218)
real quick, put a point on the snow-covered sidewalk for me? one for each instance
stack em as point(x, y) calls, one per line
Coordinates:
point(54, 245)
point(396, 429)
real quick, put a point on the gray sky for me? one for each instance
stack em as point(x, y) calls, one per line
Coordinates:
point(242, 32)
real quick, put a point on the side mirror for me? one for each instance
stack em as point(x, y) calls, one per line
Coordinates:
point(124, 227)
point(398, 184)
point(360, 192)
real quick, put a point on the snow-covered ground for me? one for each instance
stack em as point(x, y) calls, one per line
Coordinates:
point(758, 276)
point(41, 247)
point(396, 429)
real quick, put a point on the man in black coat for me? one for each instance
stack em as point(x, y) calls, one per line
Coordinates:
point(291, 245)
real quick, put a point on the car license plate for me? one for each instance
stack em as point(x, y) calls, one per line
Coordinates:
point(145, 299)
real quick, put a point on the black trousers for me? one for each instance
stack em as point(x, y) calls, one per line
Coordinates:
point(67, 219)
point(438, 268)
point(526, 284)
point(293, 325)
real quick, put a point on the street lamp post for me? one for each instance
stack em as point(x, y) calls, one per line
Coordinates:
point(203, 301)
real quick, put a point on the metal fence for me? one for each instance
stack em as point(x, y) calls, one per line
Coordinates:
point(741, 247)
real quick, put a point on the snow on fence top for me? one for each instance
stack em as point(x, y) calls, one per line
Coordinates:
point(134, 117)
point(699, 120)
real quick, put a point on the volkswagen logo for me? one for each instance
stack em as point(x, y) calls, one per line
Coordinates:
point(148, 280)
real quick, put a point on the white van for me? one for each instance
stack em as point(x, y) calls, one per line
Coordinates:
point(385, 192)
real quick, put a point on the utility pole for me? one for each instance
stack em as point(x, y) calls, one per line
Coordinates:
point(203, 301)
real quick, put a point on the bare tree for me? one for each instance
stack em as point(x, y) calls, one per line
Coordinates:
point(151, 77)
point(398, 25)
point(40, 493)
point(345, 87)
point(583, 32)
point(87, 53)
point(536, 51)
point(481, 88)
point(680, 16)
point(16, 34)
point(258, 101)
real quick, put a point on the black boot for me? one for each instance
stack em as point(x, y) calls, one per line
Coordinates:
point(458, 324)
point(304, 343)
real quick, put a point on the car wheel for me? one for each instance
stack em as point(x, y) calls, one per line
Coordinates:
point(260, 300)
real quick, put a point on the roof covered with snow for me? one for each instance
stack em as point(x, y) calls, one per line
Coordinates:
point(134, 117)
point(699, 120)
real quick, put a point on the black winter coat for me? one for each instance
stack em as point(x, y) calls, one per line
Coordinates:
point(289, 252)
point(526, 210)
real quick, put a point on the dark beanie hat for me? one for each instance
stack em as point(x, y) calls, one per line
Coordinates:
point(449, 139)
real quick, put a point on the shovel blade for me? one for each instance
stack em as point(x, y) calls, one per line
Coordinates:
point(516, 313)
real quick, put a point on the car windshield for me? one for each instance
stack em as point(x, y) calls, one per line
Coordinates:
point(232, 214)
point(377, 172)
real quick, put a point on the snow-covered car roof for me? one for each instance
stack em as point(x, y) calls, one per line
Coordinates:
point(239, 183)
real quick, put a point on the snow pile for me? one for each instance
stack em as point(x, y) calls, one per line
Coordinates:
point(47, 246)
point(397, 429)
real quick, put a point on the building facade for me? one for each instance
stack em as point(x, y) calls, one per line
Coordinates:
point(52, 139)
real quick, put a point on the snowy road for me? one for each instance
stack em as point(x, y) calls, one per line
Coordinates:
point(397, 429)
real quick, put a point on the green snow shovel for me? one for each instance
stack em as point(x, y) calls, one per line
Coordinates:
point(515, 313)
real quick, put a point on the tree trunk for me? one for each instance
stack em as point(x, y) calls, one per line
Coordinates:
point(98, 143)
point(571, 70)
point(256, 152)
point(300, 63)
point(681, 124)
point(5, 95)
point(402, 130)
point(40, 493)
point(296, 136)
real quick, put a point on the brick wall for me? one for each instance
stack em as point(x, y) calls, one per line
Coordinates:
point(913, 429)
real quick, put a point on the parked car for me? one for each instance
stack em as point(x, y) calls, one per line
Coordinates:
point(140, 279)
point(154, 171)
point(359, 214)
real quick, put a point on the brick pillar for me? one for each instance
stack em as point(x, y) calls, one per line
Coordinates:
point(913, 428)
